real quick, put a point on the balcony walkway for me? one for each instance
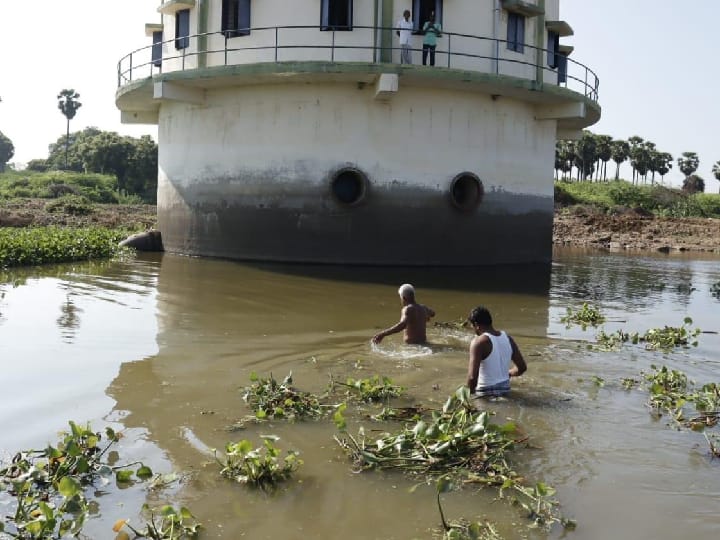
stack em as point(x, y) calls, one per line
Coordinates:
point(296, 45)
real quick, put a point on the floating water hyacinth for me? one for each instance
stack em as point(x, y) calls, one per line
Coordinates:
point(587, 315)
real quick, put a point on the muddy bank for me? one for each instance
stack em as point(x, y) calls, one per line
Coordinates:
point(631, 230)
point(34, 213)
point(577, 226)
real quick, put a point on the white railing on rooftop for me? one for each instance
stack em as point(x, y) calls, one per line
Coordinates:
point(275, 44)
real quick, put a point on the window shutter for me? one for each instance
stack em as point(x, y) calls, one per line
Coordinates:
point(511, 31)
point(520, 34)
point(562, 68)
point(157, 48)
point(243, 19)
point(552, 48)
point(182, 29)
point(324, 14)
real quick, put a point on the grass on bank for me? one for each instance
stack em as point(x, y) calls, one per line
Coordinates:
point(96, 188)
point(658, 200)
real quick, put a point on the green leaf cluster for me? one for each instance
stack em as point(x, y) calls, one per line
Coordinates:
point(663, 339)
point(261, 467)
point(687, 404)
point(43, 245)
point(459, 442)
point(47, 487)
point(163, 523)
point(272, 399)
point(669, 337)
point(375, 388)
point(586, 315)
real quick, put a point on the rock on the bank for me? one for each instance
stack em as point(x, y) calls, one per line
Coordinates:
point(145, 241)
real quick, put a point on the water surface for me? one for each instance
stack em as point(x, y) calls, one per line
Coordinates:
point(161, 346)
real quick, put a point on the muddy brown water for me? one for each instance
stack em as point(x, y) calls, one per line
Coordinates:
point(161, 346)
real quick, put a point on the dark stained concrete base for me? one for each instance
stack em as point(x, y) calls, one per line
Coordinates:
point(398, 225)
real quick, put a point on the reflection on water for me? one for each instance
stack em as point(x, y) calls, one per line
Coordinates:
point(163, 346)
point(54, 368)
point(69, 319)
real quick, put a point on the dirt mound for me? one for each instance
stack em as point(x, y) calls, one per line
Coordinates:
point(633, 230)
point(34, 213)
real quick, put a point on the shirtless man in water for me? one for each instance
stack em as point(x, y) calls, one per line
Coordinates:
point(413, 318)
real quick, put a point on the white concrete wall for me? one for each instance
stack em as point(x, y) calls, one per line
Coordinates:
point(178, 59)
point(271, 13)
point(299, 133)
point(473, 17)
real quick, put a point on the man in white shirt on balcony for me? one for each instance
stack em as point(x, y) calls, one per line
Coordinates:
point(405, 27)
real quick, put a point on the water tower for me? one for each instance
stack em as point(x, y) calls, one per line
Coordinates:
point(290, 131)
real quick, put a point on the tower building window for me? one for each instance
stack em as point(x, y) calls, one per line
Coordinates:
point(516, 32)
point(236, 18)
point(182, 29)
point(336, 14)
point(421, 12)
point(157, 48)
point(552, 49)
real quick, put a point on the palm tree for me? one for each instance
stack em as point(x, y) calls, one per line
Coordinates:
point(688, 163)
point(663, 164)
point(68, 103)
point(716, 170)
point(635, 143)
point(564, 153)
point(604, 150)
point(585, 155)
point(649, 155)
point(620, 153)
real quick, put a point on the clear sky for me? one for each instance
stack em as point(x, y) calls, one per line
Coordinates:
point(656, 60)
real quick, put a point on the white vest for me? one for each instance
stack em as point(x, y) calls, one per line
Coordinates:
point(494, 369)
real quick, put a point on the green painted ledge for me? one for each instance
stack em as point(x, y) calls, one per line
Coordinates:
point(441, 76)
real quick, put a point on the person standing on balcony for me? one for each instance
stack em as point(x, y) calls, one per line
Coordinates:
point(432, 31)
point(405, 26)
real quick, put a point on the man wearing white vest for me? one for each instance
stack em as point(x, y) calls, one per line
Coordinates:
point(405, 27)
point(491, 354)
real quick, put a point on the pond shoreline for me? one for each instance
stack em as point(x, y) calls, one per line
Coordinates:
point(574, 226)
point(632, 230)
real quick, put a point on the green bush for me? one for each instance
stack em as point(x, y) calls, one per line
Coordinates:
point(74, 205)
point(586, 193)
point(660, 200)
point(97, 188)
point(42, 245)
point(632, 196)
point(709, 203)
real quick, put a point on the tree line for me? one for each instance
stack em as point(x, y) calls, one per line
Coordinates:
point(133, 161)
point(586, 159)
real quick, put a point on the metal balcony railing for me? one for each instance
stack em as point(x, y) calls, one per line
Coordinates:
point(362, 44)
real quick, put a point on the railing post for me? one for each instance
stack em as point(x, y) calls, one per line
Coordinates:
point(276, 44)
point(130, 67)
point(497, 57)
point(332, 49)
point(183, 59)
point(585, 90)
point(226, 38)
point(119, 72)
point(448, 53)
